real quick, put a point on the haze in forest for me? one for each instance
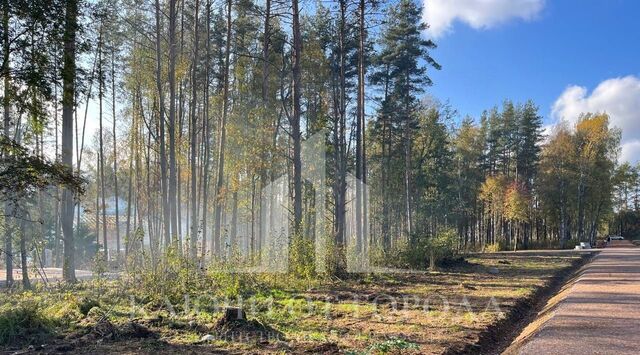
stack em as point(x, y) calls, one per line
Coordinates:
point(196, 147)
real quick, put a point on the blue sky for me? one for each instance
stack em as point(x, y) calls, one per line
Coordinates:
point(566, 55)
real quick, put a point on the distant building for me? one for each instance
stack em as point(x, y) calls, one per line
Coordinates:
point(90, 219)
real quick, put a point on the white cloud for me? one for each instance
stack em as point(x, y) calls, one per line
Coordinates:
point(630, 151)
point(618, 97)
point(479, 14)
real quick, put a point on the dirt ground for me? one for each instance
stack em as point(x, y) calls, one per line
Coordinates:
point(48, 273)
point(463, 309)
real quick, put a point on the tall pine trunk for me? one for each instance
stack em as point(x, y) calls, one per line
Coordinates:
point(172, 202)
point(24, 264)
point(68, 97)
point(6, 103)
point(216, 240)
point(56, 212)
point(103, 206)
point(262, 213)
point(341, 149)
point(206, 138)
point(166, 218)
point(361, 202)
point(295, 121)
point(193, 237)
point(115, 150)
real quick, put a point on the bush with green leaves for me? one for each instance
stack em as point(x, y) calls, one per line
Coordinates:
point(425, 251)
point(441, 246)
point(23, 320)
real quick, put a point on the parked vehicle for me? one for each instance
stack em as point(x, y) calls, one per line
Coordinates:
point(614, 237)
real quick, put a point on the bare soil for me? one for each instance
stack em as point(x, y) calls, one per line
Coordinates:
point(477, 306)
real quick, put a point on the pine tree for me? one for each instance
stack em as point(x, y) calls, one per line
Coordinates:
point(68, 103)
point(528, 143)
point(404, 76)
point(495, 147)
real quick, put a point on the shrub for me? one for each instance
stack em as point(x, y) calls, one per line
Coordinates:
point(442, 246)
point(302, 257)
point(493, 248)
point(415, 254)
point(86, 303)
point(228, 281)
point(99, 265)
point(23, 321)
point(96, 313)
point(421, 252)
point(393, 345)
point(63, 311)
point(393, 257)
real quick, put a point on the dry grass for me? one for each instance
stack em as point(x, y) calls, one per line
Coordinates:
point(421, 313)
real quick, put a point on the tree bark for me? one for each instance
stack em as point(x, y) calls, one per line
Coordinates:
point(26, 283)
point(407, 176)
point(265, 107)
point(193, 237)
point(216, 242)
point(295, 121)
point(360, 144)
point(166, 218)
point(68, 97)
point(133, 134)
point(6, 103)
point(105, 246)
point(233, 235)
point(115, 150)
point(172, 122)
point(57, 230)
point(265, 51)
point(207, 138)
point(341, 149)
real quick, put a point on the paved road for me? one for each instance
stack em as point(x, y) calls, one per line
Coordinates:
point(601, 313)
point(50, 273)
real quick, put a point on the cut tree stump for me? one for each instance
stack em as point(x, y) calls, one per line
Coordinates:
point(234, 314)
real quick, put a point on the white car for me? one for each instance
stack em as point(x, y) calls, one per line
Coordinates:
point(615, 237)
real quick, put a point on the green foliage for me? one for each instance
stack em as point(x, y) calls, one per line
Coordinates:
point(302, 260)
point(95, 313)
point(31, 318)
point(64, 311)
point(528, 147)
point(230, 281)
point(626, 224)
point(20, 321)
point(443, 245)
point(22, 173)
point(393, 345)
point(576, 170)
point(386, 256)
point(421, 253)
point(516, 203)
point(99, 265)
point(168, 276)
point(86, 303)
point(494, 247)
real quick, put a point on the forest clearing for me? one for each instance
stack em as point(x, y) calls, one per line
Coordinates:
point(302, 176)
point(418, 313)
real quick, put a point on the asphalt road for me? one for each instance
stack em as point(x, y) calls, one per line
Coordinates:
point(49, 273)
point(601, 312)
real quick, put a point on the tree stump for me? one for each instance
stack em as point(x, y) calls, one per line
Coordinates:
point(234, 314)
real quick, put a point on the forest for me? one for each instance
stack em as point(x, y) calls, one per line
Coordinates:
point(161, 151)
point(198, 106)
